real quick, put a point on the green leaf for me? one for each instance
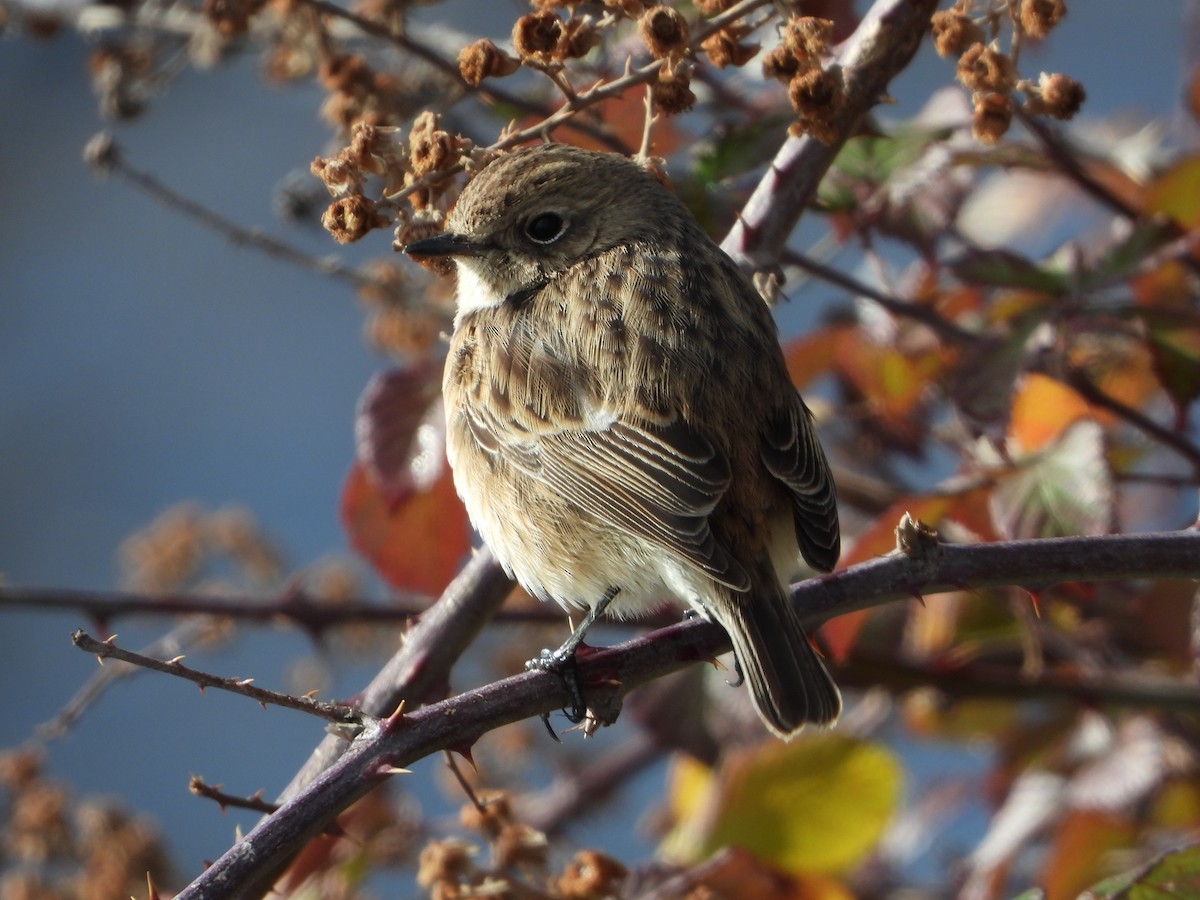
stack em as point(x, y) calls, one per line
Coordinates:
point(1064, 490)
point(868, 161)
point(1122, 259)
point(999, 268)
point(1176, 354)
point(1172, 876)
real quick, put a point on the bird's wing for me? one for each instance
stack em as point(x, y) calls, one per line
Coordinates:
point(658, 482)
point(792, 453)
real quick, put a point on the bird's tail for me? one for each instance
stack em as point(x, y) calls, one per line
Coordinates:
point(788, 682)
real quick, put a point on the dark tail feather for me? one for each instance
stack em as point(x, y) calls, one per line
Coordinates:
point(788, 681)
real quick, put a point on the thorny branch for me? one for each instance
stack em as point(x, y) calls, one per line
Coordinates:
point(248, 867)
point(107, 649)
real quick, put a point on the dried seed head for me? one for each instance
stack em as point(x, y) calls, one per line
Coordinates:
point(992, 116)
point(350, 218)
point(591, 874)
point(665, 32)
point(1061, 95)
point(724, 48)
point(483, 59)
point(579, 36)
point(672, 93)
point(1039, 16)
point(953, 33)
point(535, 36)
point(807, 37)
point(781, 64)
point(431, 149)
point(983, 68)
point(817, 96)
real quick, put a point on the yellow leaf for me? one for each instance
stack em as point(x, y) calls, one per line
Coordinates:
point(817, 805)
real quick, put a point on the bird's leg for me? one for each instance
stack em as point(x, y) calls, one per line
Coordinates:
point(562, 662)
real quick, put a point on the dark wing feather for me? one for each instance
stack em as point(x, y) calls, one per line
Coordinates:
point(659, 482)
point(792, 454)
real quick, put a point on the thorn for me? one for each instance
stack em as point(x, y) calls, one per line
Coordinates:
point(245, 682)
point(110, 639)
point(176, 660)
point(311, 695)
point(465, 753)
point(394, 770)
point(394, 719)
point(917, 596)
point(1035, 601)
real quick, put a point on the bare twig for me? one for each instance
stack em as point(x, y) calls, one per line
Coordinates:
point(296, 607)
point(201, 788)
point(174, 642)
point(982, 680)
point(114, 162)
point(107, 649)
point(1165, 436)
point(940, 325)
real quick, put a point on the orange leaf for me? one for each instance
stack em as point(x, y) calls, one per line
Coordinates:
point(1042, 410)
point(1083, 842)
point(415, 540)
point(811, 355)
point(879, 538)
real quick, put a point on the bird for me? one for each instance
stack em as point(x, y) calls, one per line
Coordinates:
point(620, 422)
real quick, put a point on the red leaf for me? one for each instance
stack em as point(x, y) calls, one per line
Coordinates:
point(416, 541)
point(398, 504)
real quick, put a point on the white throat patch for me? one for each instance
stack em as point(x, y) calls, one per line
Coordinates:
point(473, 291)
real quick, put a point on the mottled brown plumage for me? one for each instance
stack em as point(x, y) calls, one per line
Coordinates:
point(620, 416)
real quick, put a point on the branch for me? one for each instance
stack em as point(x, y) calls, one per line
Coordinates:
point(294, 606)
point(983, 680)
point(103, 154)
point(106, 649)
point(248, 868)
point(883, 44)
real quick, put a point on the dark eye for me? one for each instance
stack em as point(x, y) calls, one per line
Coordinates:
point(545, 228)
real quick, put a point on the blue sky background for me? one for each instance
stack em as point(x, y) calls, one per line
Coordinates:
point(144, 361)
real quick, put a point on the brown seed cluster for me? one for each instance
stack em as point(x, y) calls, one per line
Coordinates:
point(816, 92)
point(666, 34)
point(358, 93)
point(591, 874)
point(990, 73)
point(173, 550)
point(543, 40)
point(483, 59)
point(231, 17)
point(727, 46)
point(56, 845)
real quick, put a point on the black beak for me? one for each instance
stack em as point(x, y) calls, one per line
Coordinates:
point(448, 244)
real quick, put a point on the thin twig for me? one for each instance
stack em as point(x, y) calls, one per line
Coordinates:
point(295, 607)
point(1165, 436)
point(107, 649)
point(114, 162)
point(201, 788)
point(940, 325)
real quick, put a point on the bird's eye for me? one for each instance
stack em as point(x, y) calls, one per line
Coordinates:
point(545, 228)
